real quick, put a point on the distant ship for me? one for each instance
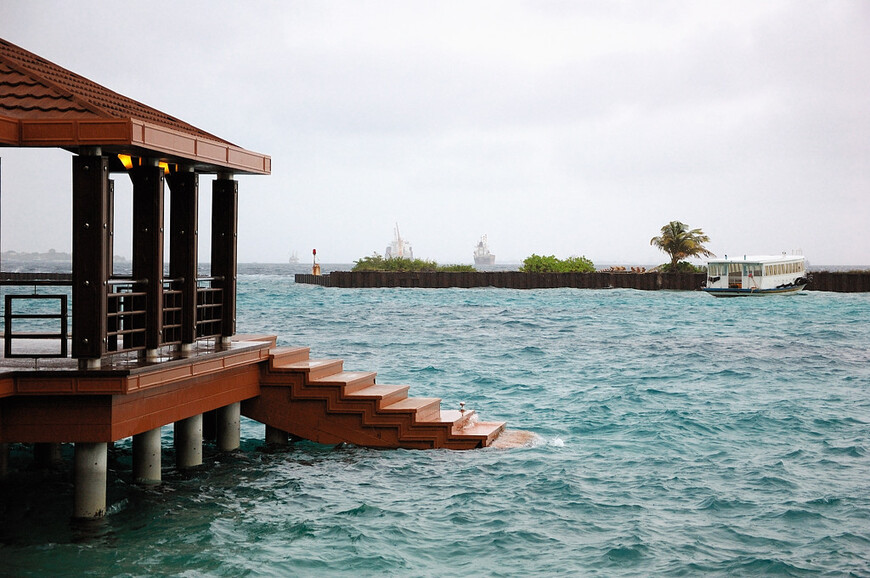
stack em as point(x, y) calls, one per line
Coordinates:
point(399, 248)
point(482, 256)
point(294, 258)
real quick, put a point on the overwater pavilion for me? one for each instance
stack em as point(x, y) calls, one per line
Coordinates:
point(155, 348)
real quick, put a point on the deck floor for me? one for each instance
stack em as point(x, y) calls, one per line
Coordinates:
point(129, 361)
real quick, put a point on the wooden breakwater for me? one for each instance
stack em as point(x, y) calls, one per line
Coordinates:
point(507, 280)
point(845, 282)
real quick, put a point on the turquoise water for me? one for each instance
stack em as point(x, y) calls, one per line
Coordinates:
point(677, 434)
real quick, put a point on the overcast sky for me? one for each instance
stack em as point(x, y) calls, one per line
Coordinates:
point(555, 127)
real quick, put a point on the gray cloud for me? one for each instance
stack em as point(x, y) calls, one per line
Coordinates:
point(555, 127)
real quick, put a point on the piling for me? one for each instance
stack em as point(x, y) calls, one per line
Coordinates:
point(276, 437)
point(91, 465)
point(146, 457)
point(188, 442)
point(4, 460)
point(228, 427)
point(46, 455)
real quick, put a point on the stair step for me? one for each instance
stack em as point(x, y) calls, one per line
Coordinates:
point(284, 355)
point(457, 418)
point(242, 337)
point(315, 368)
point(383, 394)
point(350, 380)
point(484, 430)
point(425, 409)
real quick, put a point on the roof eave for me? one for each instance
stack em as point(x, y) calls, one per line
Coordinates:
point(133, 136)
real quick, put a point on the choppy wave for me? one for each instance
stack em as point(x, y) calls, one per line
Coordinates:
point(663, 433)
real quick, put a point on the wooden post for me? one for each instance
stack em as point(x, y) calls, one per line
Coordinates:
point(224, 232)
point(183, 245)
point(148, 247)
point(90, 256)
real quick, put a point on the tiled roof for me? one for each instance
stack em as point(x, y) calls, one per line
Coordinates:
point(35, 93)
point(21, 96)
point(60, 92)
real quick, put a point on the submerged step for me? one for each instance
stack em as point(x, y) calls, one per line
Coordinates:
point(459, 419)
point(484, 430)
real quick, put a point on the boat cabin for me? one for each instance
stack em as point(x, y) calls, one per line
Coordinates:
point(756, 275)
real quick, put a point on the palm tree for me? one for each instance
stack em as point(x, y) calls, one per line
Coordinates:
point(679, 242)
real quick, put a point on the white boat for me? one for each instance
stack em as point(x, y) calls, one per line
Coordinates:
point(482, 256)
point(756, 275)
point(399, 248)
point(294, 258)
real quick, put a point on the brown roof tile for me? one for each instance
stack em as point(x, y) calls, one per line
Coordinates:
point(62, 87)
point(43, 104)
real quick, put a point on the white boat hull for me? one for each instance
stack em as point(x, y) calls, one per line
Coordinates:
point(728, 292)
point(485, 260)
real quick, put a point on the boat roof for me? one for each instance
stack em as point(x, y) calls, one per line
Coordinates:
point(759, 259)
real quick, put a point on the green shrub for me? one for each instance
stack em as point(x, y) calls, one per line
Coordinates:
point(682, 267)
point(550, 264)
point(577, 265)
point(457, 268)
point(400, 264)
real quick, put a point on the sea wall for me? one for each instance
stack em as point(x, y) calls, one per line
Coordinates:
point(846, 282)
point(507, 279)
point(840, 281)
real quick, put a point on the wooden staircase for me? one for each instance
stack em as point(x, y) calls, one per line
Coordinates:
point(317, 400)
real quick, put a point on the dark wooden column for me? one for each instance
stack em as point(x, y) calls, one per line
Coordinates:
point(110, 229)
point(224, 231)
point(183, 241)
point(90, 248)
point(148, 246)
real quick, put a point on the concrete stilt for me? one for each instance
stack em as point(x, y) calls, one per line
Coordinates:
point(276, 437)
point(146, 457)
point(209, 425)
point(228, 418)
point(91, 465)
point(188, 442)
point(46, 455)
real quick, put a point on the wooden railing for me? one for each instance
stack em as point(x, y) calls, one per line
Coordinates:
point(60, 334)
point(41, 323)
point(172, 311)
point(126, 315)
point(209, 308)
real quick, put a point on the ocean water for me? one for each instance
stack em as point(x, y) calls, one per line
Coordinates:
point(674, 434)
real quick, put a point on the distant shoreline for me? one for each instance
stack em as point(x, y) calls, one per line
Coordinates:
point(51, 256)
point(62, 257)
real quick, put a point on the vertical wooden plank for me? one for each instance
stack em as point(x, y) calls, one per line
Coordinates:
point(183, 245)
point(90, 255)
point(224, 233)
point(148, 246)
point(110, 226)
